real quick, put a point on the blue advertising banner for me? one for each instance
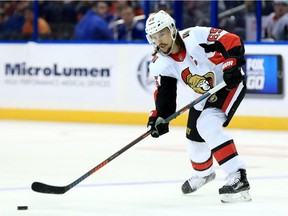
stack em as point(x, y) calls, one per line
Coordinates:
point(264, 74)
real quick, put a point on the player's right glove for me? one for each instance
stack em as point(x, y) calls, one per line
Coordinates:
point(232, 74)
point(157, 125)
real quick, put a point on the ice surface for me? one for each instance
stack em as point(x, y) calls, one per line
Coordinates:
point(144, 180)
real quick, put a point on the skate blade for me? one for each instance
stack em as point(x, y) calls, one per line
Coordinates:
point(243, 196)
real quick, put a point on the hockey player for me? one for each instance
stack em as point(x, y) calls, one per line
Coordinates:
point(200, 58)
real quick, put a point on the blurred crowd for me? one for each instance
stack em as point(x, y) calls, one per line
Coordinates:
point(125, 20)
point(239, 17)
point(76, 20)
point(69, 20)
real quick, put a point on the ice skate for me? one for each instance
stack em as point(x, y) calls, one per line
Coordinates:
point(236, 189)
point(195, 182)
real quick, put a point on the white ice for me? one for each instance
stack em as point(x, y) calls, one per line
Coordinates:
point(144, 180)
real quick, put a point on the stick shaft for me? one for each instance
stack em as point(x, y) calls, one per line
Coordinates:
point(109, 159)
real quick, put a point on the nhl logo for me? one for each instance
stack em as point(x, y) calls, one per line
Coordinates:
point(143, 74)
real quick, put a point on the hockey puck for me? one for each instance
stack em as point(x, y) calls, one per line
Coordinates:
point(22, 207)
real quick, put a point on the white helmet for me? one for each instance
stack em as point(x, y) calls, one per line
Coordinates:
point(158, 21)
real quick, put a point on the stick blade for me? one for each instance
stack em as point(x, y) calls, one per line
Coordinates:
point(48, 189)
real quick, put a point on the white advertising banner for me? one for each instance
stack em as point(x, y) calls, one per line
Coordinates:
point(58, 76)
point(100, 77)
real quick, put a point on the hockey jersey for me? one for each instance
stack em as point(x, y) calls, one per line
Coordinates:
point(199, 66)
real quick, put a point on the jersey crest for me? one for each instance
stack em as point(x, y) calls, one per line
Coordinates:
point(200, 84)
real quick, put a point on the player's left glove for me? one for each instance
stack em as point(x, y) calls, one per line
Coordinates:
point(232, 74)
point(157, 125)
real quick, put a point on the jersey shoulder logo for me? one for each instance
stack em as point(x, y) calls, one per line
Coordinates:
point(200, 84)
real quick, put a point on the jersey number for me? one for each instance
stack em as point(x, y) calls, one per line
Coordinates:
point(214, 34)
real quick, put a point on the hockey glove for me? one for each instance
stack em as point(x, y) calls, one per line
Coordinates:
point(157, 125)
point(232, 74)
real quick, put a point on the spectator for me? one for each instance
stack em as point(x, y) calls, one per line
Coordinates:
point(117, 7)
point(55, 12)
point(13, 19)
point(138, 10)
point(103, 11)
point(131, 29)
point(14, 23)
point(81, 9)
point(267, 7)
point(232, 16)
point(43, 25)
point(61, 16)
point(276, 26)
point(166, 5)
point(1, 20)
point(93, 26)
point(196, 13)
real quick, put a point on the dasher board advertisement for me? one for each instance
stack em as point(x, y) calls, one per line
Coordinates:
point(264, 74)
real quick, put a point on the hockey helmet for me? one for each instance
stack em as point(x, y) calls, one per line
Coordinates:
point(157, 22)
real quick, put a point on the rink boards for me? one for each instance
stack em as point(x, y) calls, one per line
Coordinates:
point(110, 83)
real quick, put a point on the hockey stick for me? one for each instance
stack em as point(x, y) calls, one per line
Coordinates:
point(50, 189)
